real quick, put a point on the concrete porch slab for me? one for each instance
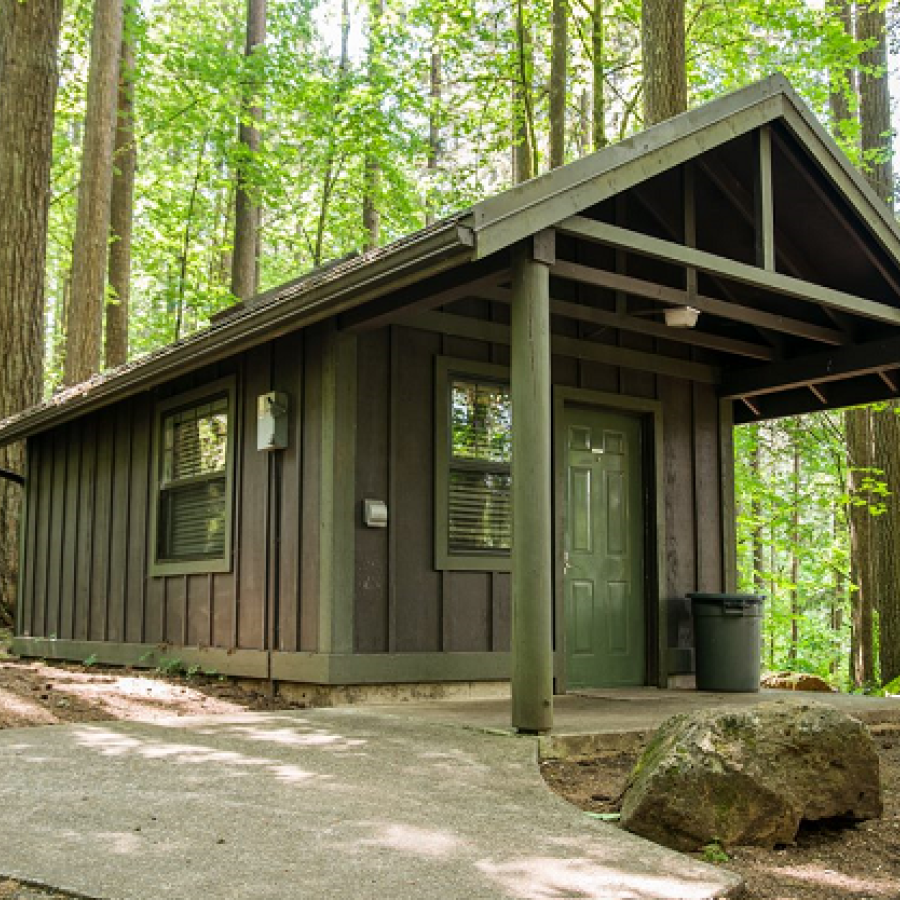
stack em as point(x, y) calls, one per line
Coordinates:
point(590, 720)
point(352, 802)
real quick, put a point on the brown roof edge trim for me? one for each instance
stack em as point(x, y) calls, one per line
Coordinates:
point(411, 259)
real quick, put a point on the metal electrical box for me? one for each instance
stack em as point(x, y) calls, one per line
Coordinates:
point(272, 421)
point(375, 514)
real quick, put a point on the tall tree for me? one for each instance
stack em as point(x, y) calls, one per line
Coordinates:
point(436, 86)
point(598, 73)
point(858, 434)
point(122, 204)
point(29, 35)
point(247, 212)
point(329, 177)
point(371, 213)
point(875, 131)
point(558, 70)
point(84, 324)
point(875, 99)
point(662, 53)
point(524, 146)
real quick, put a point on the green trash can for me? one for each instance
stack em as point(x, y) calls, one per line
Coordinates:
point(727, 641)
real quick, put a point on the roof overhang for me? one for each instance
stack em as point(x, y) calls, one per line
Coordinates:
point(291, 306)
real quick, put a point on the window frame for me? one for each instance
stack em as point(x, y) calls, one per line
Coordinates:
point(446, 369)
point(197, 397)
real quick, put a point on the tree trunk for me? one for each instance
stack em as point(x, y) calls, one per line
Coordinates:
point(839, 102)
point(329, 178)
point(875, 122)
point(875, 101)
point(795, 557)
point(372, 168)
point(244, 269)
point(558, 68)
point(121, 212)
point(585, 137)
point(29, 36)
point(665, 75)
point(434, 122)
point(862, 662)
point(598, 75)
point(886, 528)
point(89, 253)
point(524, 163)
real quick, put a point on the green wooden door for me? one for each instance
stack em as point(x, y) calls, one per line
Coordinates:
point(604, 552)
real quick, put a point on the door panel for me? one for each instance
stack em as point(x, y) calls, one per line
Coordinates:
point(604, 552)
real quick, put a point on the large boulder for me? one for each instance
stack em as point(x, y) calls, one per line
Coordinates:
point(751, 775)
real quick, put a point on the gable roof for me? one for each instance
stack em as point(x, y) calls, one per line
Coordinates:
point(485, 229)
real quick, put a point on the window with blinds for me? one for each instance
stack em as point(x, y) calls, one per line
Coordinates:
point(478, 484)
point(194, 482)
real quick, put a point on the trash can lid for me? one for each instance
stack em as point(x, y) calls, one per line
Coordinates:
point(748, 599)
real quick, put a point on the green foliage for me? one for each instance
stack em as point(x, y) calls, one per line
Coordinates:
point(322, 120)
point(715, 853)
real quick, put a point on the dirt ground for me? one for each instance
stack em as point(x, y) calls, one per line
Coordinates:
point(826, 863)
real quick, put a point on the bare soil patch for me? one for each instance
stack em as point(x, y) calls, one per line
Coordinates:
point(831, 861)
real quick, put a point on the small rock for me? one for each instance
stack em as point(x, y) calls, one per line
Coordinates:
point(797, 681)
point(751, 775)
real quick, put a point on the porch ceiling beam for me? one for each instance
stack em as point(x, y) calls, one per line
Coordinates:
point(852, 392)
point(715, 307)
point(657, 211)
point(623, 322)
point(851, 361)
point(793, 260)
point(388, 309)
point(612, 235)
point(860, 242)
point(496, 333)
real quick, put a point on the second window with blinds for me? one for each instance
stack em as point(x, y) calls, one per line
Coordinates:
point(193, 466)
point(473, 528)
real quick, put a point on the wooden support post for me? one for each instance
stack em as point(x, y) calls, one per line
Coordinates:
point(690, 226)
point(532, 551)
point(765, 209)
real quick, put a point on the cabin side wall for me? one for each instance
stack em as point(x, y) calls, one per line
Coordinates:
point(86, 586)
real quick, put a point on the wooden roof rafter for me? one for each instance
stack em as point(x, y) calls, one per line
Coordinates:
point(724, 267)
point(711, 305)
point(582, 312)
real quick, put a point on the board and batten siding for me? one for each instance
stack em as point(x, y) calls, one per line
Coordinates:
point(87, 545)
point(405, 604)
point(86, 583)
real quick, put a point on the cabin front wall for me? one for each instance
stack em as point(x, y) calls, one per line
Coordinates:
point(313, 595)
point(406, 603)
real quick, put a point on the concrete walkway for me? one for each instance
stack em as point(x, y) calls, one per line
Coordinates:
point(322, 804)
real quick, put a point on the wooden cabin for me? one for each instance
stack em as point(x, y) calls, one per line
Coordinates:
point(498, 448)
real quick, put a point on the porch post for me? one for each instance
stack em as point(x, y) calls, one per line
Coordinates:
point(532, 548)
